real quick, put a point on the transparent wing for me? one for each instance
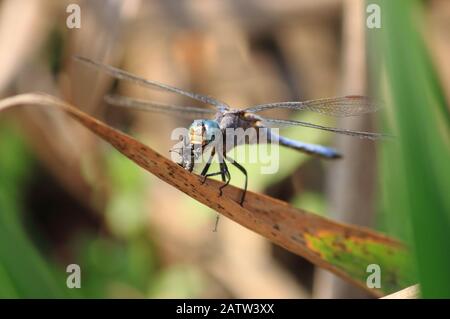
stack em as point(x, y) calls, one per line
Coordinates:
point(123, 75)
point(183, 111)
point(339, 107)
point(276, 123)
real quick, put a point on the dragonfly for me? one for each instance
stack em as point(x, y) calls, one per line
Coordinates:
point(221, 117)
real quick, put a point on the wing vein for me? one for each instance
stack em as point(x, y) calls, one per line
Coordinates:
point(123, 75)
point(150, 106)
point(339, 107)
point(284, 123)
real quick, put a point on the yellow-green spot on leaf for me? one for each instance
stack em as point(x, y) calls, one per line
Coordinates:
point(353, 255)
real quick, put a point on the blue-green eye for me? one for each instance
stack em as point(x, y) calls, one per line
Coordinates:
point(211, 129)
point(203, 131)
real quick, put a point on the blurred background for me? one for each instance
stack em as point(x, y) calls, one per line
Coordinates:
point(66, 197)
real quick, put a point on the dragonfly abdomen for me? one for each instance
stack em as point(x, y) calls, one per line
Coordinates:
point(312, 149)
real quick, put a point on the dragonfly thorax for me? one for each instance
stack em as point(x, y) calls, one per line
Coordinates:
point(203, 132)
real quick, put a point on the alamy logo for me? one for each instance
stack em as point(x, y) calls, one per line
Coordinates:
point(374, 279)
point(373, 20)
point(198, 149)
point(74, 279)
point(73, 20)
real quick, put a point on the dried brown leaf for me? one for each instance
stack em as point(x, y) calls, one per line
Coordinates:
point(321, 241)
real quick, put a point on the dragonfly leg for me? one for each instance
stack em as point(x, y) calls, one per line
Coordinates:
point(207, 166)
point(244, 171)
point(225, 178)
point(223, 170)
point(226, 174)
point(211, 175)
point(217, 214)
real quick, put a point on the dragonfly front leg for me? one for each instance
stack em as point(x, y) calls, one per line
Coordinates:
point(226, 173)
point(214, 174)
point(225, 178)
point(223, 172)
point(205, 170)
point(244, 171)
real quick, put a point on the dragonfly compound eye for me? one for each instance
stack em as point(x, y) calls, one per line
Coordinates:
point(212, 130)
point(203, 131)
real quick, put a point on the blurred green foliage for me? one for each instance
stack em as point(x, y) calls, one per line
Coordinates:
point(23, 271)
point(126, 210)
point(415, 167)
point(113, 268)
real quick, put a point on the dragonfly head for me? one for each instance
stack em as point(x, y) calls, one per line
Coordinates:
point(185, 155)
point(203, 132)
